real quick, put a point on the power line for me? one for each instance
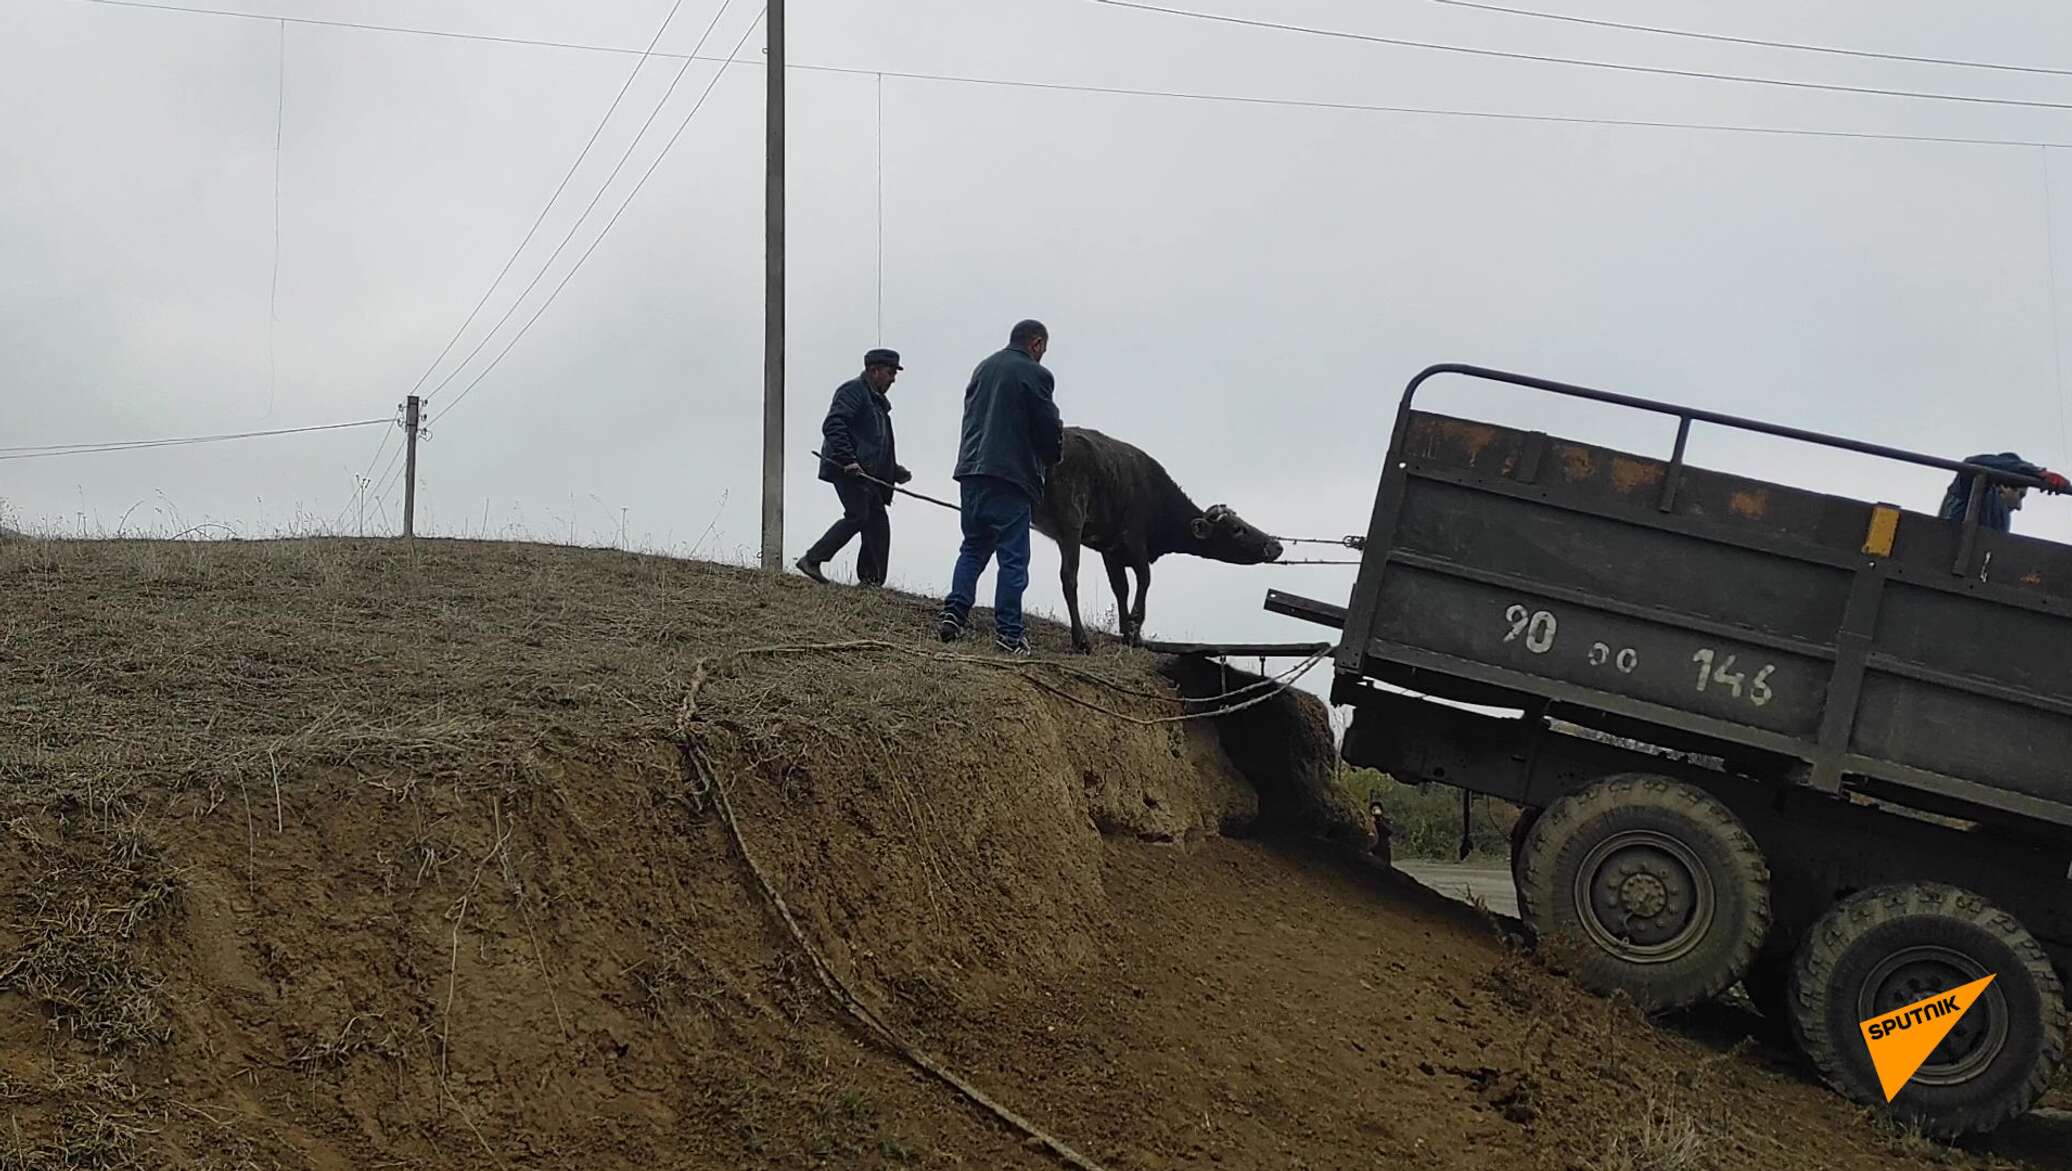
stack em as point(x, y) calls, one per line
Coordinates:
point(880, 123)
point(54, 449)
point(554, 198)
point(362, 26)
point(381, 501)
point(2050, 277)
point(1724, 39)
point(623, 204)
point(364, 478)
point(273, 292)
point(1126, 91)
point(576, 225)
point(1427, 111)
point(1616, 66)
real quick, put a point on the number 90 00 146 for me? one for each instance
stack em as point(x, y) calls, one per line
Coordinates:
point(1539, 630)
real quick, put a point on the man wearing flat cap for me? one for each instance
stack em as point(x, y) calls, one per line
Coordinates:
point(857, 449)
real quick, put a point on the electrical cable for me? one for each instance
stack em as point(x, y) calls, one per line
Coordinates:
point(587, 252)
point(55, 449)
point(1583, 62)
point(570, 174)
point(1721, 38)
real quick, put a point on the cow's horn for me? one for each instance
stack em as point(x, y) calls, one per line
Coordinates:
point(1217, 512)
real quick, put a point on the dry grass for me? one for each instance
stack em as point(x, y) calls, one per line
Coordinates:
point(77, 926)
point(185, 677)
point(1662, 1138)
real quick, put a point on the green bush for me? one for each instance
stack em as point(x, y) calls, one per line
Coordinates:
point(1425, 819)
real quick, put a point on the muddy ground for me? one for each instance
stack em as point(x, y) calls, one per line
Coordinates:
point(355, 855)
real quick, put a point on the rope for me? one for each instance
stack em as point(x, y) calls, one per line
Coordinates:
point(703, 781)
point(1348, 542)
point(1278, 683)
point(1342, 542)
point(894, 487)
point(1282, 682)
point(702, 772)
point(1282, 563)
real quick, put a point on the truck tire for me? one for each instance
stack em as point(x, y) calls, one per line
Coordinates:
point(1520, 829)
point(1890, 946)
point(1659, 884)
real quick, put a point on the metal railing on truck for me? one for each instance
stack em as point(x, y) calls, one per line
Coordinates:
point(2019, 703)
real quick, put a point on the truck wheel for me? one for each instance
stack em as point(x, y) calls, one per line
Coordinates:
point(1660, 885)
point(1890, 946)
point(1519, 831)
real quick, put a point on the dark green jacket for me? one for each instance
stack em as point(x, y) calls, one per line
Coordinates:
point(858, 430)
point(1011, 427)
point(1992, 512)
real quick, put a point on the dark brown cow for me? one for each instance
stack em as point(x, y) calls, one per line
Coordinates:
point(1113, 498)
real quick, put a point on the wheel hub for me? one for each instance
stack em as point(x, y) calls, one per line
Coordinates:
point(1914, 974)
point(1644, 896)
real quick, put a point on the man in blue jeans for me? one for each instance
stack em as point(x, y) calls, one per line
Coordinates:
point(1012, 438)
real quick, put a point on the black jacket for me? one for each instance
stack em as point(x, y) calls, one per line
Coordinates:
point(1011, 427)
point(858, 430)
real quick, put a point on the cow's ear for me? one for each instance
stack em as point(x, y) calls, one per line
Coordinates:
point(1200, 527)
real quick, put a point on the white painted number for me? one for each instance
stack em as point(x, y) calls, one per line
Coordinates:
point(1538, 627)
point(1627, 660)
point(1720, 672)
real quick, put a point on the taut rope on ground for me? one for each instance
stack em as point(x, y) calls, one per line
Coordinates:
point(1274, 685)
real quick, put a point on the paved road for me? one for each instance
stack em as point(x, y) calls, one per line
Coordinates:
point(1466, 882)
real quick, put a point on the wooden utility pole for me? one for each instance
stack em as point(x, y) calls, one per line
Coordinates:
point(411, 410)
point(773, 299)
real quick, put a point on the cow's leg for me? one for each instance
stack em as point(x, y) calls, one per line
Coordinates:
point(1119, 581)
point(1143, 568)
point(1068, 576)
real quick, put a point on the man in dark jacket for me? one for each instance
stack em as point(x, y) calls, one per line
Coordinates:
point(856, 441)
point(1012, 438)
point(1996, 508)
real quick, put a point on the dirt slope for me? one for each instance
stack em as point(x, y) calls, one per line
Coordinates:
point(339, 855)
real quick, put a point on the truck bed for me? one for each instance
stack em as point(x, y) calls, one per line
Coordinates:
point(1868, 646)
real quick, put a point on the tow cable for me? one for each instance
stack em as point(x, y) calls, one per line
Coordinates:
point(1342, 542)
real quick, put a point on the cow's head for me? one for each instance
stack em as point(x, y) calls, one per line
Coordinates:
point(1222, 535)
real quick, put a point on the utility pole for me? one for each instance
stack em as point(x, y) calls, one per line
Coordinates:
point(773, 298)
point(411, 410)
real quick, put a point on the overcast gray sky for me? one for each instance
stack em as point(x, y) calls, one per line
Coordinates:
point(1240, 289)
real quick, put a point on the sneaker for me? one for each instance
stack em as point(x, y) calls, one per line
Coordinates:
point(1017, 647)
point(811, 569)
point(948, 626)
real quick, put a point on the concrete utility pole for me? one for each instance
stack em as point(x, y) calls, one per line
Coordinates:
point(412, 408)
point(773, 300)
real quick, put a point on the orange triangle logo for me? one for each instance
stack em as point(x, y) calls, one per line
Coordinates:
point(1901, 1040)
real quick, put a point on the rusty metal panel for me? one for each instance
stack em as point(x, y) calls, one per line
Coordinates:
point(1604, 556)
